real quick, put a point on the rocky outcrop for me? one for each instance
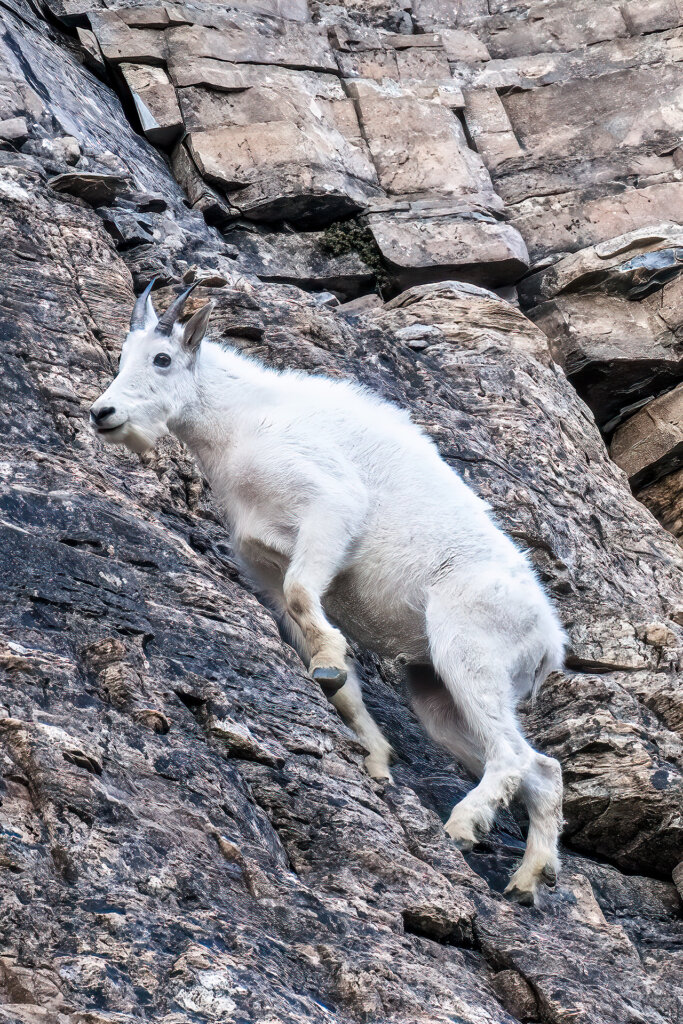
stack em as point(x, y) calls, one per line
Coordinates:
point(187, 829)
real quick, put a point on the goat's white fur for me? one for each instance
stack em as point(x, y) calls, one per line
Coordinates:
point(342, 511)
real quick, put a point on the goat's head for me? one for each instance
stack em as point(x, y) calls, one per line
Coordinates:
point(156, 377)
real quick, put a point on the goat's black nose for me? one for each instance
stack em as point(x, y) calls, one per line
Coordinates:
point(102, 414)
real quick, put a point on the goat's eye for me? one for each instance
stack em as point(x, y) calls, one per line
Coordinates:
point(161, 359)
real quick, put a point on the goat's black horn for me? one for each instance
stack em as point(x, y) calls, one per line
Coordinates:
point(168, 319)
point(138, 316)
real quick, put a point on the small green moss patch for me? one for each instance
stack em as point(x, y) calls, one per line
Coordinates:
point(349, 236)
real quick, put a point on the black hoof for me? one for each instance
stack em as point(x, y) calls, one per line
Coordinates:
point(549, 876)
point(330, 679)
point(524, 897)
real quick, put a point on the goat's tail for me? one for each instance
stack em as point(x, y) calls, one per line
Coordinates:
point(552, 660)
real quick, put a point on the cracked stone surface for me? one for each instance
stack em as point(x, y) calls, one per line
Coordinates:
point(187, 830)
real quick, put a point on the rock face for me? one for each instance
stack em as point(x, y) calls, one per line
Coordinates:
point(187, 830)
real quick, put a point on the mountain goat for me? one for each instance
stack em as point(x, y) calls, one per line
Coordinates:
point(343, 512)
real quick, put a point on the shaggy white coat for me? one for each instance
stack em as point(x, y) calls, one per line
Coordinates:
point(345, 515)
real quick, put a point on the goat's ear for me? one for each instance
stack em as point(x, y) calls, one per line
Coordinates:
point(195, 328)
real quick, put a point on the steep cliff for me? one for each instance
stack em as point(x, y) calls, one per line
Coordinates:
point(187, 832)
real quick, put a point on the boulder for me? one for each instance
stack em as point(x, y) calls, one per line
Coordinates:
point(155, 102)
point(94, 188)
point(14, 130)
point(423, 244)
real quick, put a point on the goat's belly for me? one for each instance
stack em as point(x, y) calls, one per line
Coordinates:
point(378, 622)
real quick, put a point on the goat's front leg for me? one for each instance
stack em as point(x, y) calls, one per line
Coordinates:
point(323, 539)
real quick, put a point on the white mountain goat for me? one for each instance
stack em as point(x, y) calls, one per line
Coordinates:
point(343, 512)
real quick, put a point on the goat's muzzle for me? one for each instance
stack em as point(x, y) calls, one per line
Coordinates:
point(103, 419)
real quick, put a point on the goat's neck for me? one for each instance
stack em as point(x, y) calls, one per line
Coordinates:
point(229, 387)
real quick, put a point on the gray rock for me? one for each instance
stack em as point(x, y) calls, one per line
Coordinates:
point(300, 258)
point(94, 188)
point(14, 129)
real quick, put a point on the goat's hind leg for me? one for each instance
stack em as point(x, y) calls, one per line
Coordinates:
point(472, 667)
point(447, 724)
point(541, 791)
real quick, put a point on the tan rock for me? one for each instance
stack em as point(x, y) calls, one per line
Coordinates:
point(490, 128)
point(555, 27)
point(276, 95)
point(573, 220)
point(622, 263)
point(155, 101)
point(401, 64)
point(419, 147)
point(283, 170)
point(561, 146)
point(201, 195)
point(617, 353)
point(650, 444)
point(249, 41)
point(119, 42)
point(643, 16)
point(420, 245)
point(542, 69)
point(145, 17)
point(463, 46)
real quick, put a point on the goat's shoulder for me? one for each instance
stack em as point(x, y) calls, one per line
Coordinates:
point(330, 400)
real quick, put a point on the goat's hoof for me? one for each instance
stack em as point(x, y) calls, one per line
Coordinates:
point(465, 845)
point(525, 897)
point(330, 679)
point(378, 770)
point(549, 876)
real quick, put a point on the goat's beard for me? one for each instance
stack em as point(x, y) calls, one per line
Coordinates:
point(137, 440)
point(140, 439)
